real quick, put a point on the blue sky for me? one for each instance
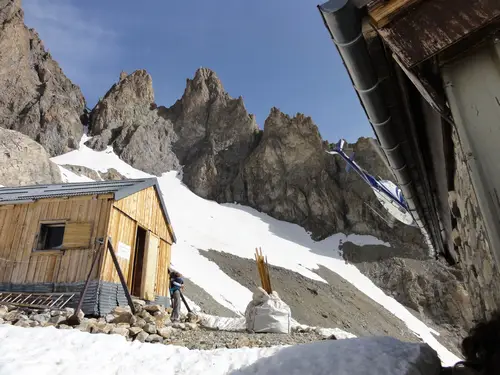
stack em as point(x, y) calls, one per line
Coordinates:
point(271, 52)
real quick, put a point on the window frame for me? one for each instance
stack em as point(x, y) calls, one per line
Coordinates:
point(36, 247)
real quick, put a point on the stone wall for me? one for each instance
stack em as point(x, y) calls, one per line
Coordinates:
point(477, 262)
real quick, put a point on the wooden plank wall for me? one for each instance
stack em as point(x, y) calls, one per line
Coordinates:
point(162, 279)
point(121, 229)
point(144, 207)
point(19, 226)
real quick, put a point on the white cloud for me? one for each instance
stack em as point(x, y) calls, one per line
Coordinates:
point(84, 47)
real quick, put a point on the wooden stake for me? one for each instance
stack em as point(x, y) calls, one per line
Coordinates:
point(120, 275)
point(74, 319)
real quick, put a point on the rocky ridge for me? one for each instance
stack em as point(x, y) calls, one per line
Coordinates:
point(128, 120)
point(36, 99)
point(282, 170)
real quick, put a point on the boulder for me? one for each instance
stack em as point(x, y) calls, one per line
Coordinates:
point(152, 309)
point(122, 331)
point(122, 315)
point(14, 315)
point(140, 323)
point(154, 338)
point(133, 331)
point(25, 323)
point(24, 162)
point(57, 319)
point(41, 318)
point(142, 336)
point(166, 331)
point(150, 328)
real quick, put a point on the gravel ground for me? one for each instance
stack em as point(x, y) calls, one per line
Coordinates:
point(208, 339)
point(334, 305)
point(207, 304)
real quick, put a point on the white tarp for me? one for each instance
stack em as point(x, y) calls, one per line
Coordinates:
point(268, 313)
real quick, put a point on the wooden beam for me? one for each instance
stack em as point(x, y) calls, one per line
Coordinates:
point(120, 275)
point(384, 11)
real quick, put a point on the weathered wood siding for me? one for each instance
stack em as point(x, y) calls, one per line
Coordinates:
point(19, 229)
point(162, 279)
point(144, 207)
point(121, 229)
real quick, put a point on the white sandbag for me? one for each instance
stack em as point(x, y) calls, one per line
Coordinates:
point(222, 323)
point(267, 313)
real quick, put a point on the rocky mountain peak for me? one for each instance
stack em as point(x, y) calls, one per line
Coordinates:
point(127, 119)
point(120, 102)
point(283, 125)
point(123, 75)
point(205, 82)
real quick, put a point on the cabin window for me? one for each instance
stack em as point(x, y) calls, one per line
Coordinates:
point(51, 236)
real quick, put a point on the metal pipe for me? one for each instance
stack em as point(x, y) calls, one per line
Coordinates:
point(343, 21)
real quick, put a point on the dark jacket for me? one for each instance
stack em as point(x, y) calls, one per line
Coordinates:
point(175, 283)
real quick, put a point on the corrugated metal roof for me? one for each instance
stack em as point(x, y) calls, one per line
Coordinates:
point(120, 189)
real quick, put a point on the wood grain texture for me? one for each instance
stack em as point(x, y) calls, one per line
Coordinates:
point(150, 267)
point(383, 12)
point(144, 207)
point(19, 230)
point(162, 276)
point(121, 229)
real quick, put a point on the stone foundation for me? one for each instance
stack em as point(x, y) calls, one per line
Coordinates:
point(477, 262)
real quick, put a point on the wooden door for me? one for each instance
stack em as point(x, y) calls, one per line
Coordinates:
point(149, 267)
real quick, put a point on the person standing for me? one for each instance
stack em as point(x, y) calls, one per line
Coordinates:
point(176, 284)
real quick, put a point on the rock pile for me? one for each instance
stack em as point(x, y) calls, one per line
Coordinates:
point(151, 324)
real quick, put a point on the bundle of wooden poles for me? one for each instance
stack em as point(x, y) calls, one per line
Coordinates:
point(263, 268)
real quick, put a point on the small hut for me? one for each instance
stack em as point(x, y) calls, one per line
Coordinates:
point(50, 234)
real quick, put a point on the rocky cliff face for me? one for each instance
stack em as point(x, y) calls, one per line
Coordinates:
point(291, 177)
point(216, 134)
point(24, 162)
point(283, 170)
point(128, 120)
point(36, 98)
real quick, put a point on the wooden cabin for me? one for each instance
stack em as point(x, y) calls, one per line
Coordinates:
point(49, 235)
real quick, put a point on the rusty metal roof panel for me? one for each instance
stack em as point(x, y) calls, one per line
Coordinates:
point(434, 25)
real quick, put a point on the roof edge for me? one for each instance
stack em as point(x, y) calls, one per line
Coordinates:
point(147, 183)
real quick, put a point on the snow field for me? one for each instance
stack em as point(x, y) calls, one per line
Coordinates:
point(201, 225)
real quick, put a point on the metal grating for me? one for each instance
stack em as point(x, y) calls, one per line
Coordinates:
point(37, 300)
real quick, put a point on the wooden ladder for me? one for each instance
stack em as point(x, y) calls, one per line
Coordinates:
point(36, 300)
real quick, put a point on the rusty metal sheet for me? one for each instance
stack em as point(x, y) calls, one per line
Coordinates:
point(435, 25)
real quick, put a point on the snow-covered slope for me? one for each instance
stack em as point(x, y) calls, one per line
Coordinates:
point(202, 225)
